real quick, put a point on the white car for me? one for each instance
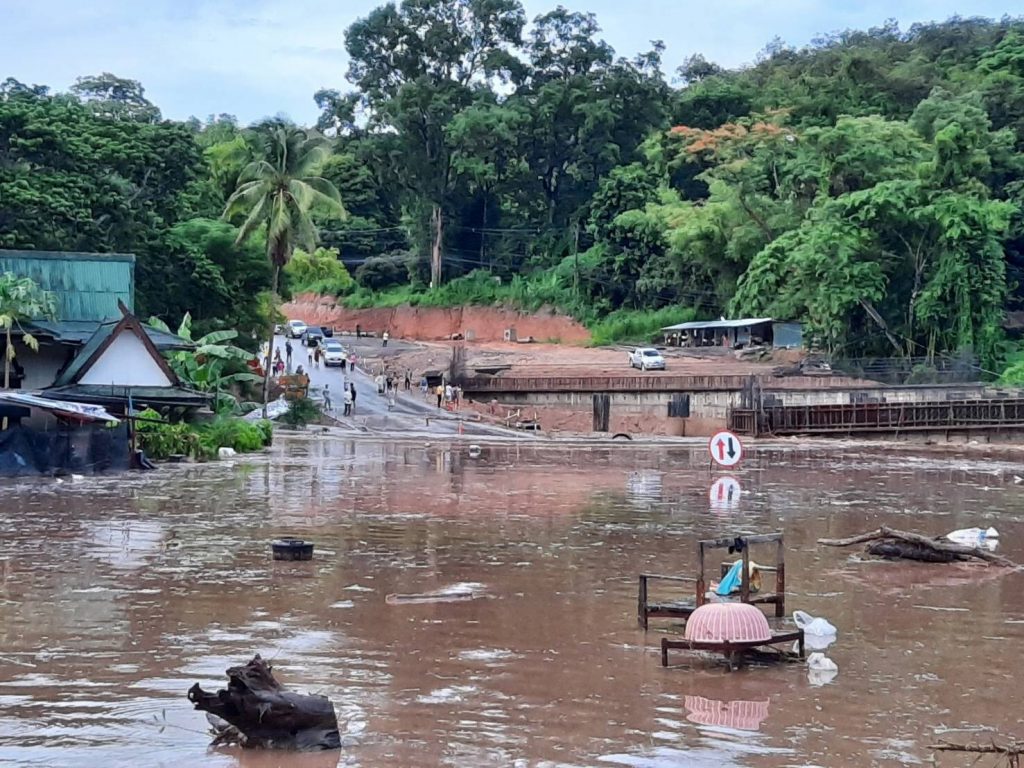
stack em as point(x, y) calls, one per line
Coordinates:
point(334, 353)
point(295, 329)
point(646, 359)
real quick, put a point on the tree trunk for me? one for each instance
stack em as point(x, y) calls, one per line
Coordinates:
point(437, 232)
point(270, 335)
point(7, 365)
point(483, 232)
point(880, 322)
point(888, 542)
point(7, 371)
point(263, 713)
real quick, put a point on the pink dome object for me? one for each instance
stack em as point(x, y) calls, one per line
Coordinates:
point(745, 715)
point(728, 623)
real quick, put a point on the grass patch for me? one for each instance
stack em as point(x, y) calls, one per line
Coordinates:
point(642, 326)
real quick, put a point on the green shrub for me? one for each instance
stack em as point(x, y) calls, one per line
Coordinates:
point(161, 439)
point(230, 432)
point(301, 411)
point(266, 428)
point(642, 326)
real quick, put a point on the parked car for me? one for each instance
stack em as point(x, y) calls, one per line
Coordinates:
point(646, 359)
point(312, 337)
point(295, 329)
point(328, 331)
point(334, 353)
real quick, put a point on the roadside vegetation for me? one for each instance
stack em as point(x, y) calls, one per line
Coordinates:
point(869, 185)
point(161, 439)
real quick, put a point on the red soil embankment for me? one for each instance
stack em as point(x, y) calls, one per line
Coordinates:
point(436, 323)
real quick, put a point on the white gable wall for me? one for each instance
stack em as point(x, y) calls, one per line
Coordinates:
point(126, 362)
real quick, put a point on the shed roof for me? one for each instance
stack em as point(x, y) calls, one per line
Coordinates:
point(702, 324)
point(87, 286)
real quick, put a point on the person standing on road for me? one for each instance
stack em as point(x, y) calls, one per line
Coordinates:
point(316, 356)
point(352, 389)
point(424, 386)
point(448, 393)
point(440, 394)
point(327, 397)
point(385, 337)
point(348, 402)
point(408, 380)
point(288, 354)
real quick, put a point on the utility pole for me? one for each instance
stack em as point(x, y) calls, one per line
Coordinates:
point(576, 256)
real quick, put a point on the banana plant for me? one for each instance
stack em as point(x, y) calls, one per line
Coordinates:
point(21, 300)
point(203, 368)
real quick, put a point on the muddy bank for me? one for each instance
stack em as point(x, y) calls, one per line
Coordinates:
point(435, 323)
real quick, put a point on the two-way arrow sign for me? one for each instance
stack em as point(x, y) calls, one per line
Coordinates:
point(725, 448)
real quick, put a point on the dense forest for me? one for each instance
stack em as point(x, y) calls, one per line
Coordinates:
point(870, 184)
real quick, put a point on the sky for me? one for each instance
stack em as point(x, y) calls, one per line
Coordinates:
point(258, 58)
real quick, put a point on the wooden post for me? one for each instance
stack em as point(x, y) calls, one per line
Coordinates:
point(780, 579)
point(641, 602)
point(664, 651)
point(745, 581)
point(701, 586)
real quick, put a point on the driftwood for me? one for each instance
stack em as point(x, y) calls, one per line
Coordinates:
point(260, 712)
point(1012, 751)
point(888, 542)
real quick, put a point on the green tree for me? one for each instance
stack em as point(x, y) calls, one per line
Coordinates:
point(21, 300)
point(417, 65)
point(280, 192)
point(116, 98)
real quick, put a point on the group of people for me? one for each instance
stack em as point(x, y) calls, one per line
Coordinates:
point(348, 398)
point(387, 381)
point(446, 394)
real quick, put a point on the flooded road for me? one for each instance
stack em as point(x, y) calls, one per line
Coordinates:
point(116, 594)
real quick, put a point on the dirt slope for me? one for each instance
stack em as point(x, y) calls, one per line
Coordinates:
point(433, 324)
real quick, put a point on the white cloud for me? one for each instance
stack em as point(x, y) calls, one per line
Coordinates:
point(255, 58)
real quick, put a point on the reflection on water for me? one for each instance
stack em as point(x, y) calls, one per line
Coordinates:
point(742, 715)
point(116, 594)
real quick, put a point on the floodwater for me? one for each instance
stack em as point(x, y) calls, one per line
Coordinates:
point(116, 594)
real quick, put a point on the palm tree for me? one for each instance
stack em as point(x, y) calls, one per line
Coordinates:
point(281, 190)
point(21, 299)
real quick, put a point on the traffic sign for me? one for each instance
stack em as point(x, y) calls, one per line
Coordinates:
point(725, 493)
point(725, 448)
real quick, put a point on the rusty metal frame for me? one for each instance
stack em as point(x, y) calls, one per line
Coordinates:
point(676, 609)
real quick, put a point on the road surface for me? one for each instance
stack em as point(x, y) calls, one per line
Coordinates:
point(410, 414)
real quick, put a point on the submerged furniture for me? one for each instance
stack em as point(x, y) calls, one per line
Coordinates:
point(732, 629)
point(685, 607)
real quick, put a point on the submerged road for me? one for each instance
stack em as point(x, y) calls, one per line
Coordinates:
point(410, 414)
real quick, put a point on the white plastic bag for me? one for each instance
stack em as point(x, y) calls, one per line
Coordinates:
point(821, 670)
point(819, 662)
point(813, 626)
point(973, 537)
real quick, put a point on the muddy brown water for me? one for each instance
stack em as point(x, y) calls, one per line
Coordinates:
point(116, 594)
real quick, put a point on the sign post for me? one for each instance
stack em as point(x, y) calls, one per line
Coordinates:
point(725, 448)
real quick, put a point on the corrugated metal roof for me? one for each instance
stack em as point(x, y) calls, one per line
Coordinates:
point(80, 331)
point(87, 285)
point(699, 325)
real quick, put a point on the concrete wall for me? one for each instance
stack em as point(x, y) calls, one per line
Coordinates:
point(41, 367)
point(647, 412)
